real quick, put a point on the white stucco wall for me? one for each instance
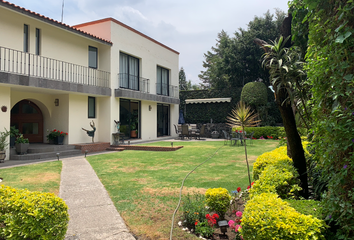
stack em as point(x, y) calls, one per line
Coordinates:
point(56, 43)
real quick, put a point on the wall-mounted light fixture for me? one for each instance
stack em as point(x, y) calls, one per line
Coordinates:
point(150, 107)
point(56, 102)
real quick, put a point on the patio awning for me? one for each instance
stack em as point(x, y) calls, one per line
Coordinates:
point(208, 100)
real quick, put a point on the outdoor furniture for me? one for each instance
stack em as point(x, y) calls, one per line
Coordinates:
point(178, 132)
point(193, 130)
point(185, 131)
point(250, 137)
point(236, 137)
point(200, 132)
point(226, 137)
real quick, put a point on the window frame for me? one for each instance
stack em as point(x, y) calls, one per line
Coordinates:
point(89, 115)
point(25, 38)
point(159, 81)
point(38, 41)
point(92, 49)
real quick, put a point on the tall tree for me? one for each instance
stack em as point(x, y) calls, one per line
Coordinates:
point(235, 61)
point(183, 84)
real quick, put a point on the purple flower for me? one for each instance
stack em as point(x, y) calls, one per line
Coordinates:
point(345, 166)
point(329, 216)
point(345, 109)
point(313, 132)
point(353, 140)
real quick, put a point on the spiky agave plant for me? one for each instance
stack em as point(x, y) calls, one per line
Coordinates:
point(242, 116)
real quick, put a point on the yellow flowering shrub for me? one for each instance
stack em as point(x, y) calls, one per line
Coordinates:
point(275, 156)
point(268, 217)
point(218, 199)
point(31, 215)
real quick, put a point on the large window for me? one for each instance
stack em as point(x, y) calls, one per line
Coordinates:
point(38, 41)
point(92, 57)
point(128, 72)
point(25, 38)
point(129, 118)
point(91, 107)
point(162, 81)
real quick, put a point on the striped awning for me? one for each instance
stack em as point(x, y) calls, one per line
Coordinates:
point(208, 100)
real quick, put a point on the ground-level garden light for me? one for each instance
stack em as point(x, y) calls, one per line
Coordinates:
point(223, 225)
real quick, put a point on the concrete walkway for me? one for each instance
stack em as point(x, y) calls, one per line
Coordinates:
point(92, 213)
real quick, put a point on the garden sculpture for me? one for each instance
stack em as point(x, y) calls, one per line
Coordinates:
point(117, 125)
point(92, 132)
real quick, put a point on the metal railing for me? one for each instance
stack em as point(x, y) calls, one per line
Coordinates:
point(28, 64)
point(134, 82)
point(167, 90)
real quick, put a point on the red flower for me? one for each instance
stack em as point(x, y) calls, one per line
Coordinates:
point(61, 132)
point(66, 133)
point(271, 137)
point(196, 223)
point(252, 183)
point(215, 215)
point(248, 187)
point(54, 130)
point(238, 189)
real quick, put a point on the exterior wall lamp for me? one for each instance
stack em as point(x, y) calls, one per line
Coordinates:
point(150, 107)
point(56, 102)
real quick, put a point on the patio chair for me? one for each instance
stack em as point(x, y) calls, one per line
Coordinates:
point(250, 138)
point(200, 133)
point(185, 131)
point(226, 137)
point(236, 137)
point(179, 133)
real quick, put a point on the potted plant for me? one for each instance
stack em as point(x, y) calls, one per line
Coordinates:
point(14, 132)
point(56, 137)
point(21, 144)
point(3, 144)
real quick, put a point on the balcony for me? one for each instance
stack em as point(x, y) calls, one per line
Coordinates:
point(134, 87)
point(135, 83)
point(39, 67)
point(167, 90)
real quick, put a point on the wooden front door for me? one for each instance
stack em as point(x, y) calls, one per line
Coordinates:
point(28, 119)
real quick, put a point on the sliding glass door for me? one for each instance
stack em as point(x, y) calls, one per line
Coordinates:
point(130, 118)
point(163, 120)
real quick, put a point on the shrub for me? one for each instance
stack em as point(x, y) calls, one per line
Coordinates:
point(268, 217)
point(254, 94)
point(218, 199)
point(204, 229)
point(280, 178)
point(32, 215)
point(275, 156)
point(193, 208)
point(307, 207)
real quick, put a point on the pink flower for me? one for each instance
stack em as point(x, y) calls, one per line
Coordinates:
point(238, 227)
point(231, 223)
point(239, 214)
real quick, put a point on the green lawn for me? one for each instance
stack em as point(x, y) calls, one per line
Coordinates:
point(144, 186)
point(43, 177)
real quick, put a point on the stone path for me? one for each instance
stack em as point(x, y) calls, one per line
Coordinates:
point(92, 213)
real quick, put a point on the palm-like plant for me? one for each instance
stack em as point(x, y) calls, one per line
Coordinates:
point(242, 116)
point(285, 69)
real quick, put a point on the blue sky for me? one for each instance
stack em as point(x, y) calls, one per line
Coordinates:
point(187, 26)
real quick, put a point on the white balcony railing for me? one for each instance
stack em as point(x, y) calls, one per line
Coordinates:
point(22, 63)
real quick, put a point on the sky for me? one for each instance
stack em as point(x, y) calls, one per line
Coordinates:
point(187, 26)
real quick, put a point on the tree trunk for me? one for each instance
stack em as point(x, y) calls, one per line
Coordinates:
point(294, 140)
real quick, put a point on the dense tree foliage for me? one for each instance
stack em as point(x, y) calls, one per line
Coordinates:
point(183, 84)
point(235, 61)
point(254, 94)
point(330, 72)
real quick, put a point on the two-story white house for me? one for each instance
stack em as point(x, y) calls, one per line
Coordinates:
point(55, 76)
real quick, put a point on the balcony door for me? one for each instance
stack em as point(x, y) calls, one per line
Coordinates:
point(28, 119)
point(162, 81)
point(128, 72)
point(163, 120)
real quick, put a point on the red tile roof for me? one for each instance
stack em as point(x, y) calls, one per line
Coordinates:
point(51, 21)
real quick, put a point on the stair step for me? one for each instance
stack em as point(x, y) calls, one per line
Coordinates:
point(43, 148)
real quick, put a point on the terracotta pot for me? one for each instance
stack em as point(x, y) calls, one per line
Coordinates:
point(133, 134)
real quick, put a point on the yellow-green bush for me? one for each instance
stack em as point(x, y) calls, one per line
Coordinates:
point(275, 156)
point(32, 215)
point(280, 178)
point(218, 199)
point(267, 217)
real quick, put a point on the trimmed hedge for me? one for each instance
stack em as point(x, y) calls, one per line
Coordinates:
point(218, 199)
point(254, 94)
point(266, 217)
point(32, 215)
point(280, 178)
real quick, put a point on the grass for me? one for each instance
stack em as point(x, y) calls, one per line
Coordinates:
point(44, 177)
point(144, 186)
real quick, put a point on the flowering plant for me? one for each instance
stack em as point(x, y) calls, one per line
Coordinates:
point(212, 219)
point(55, 133)
point(21, 139)
point(235, 225)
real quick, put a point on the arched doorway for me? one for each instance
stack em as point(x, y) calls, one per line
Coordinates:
point(28, 119)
